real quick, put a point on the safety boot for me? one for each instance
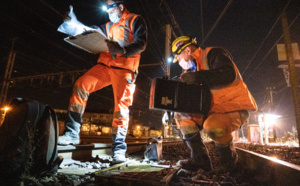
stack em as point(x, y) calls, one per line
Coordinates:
point(68, 140)
point(199, 155)
point(119, 146)
point(228, 157)
point(72, 130)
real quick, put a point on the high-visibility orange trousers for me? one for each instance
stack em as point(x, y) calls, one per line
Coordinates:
point(218, 126)
point(99, 77)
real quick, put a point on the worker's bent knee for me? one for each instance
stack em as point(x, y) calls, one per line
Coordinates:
point(216, 133)
point(219, 136)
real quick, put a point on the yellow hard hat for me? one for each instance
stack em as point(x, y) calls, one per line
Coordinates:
point(179, 45)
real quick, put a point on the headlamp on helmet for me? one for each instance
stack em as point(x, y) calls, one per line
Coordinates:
point(170, 59)
point(107, 7)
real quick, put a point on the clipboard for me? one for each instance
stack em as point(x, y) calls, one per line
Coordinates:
point(91, 41)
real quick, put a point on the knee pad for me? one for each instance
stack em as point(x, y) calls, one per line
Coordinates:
point(215, 134)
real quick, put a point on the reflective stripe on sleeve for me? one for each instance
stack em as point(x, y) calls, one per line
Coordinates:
point(76, 108)
point(80, 92)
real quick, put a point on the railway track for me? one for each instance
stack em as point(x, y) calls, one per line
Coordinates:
point(86, 151)
point(266, 170)
point(272, 170)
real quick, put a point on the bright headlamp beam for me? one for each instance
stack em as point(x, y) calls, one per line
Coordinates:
point(106, 7)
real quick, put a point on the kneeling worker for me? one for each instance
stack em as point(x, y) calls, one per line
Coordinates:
point(230, 105)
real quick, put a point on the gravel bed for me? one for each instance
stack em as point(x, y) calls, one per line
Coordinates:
point(171, 155)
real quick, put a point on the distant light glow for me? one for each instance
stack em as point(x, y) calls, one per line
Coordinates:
point(170, 59)
point(94, 127)
point(86, 127)
point(269, 118)
point(272, 117)
point(266, 122)
point(5, 109)
point(106, 130)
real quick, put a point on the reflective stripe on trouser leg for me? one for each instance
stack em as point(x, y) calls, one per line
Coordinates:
point(189, 129)
point(119, 132)
point(219, 127)
point(187, 123)
point(123, 96)
point(73, 119)
point(96, 78)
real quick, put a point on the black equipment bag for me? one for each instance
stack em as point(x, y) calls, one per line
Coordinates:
point(178, 96)
point(154, 149)
point(28, 140)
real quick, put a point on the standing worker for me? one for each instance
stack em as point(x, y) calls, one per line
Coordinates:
point(230, 105)
point(119, 68)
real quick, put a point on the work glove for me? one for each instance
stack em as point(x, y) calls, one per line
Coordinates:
point(71, 25)
point(69, 15)
point(189, 77)
point(114, 47)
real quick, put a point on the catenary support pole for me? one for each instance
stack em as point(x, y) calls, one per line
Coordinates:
point(167, 50)
point(292, 70)
point(7, 74)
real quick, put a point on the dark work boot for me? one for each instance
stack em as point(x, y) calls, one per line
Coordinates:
point(199, 155)
point(228, 157)
point(119, 146)
point(72, 130)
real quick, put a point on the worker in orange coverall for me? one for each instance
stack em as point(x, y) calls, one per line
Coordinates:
point(231, 102)
point(119, 68)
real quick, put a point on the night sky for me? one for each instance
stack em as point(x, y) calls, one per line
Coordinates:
point(249, 29)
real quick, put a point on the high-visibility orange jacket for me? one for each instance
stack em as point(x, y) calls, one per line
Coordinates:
point(227, 96)
point(131, 33)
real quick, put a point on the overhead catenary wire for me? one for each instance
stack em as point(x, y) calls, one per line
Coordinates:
point(49, 64)
point(201, 20)
point(271, 48)
point(39, 36)
point(53, 9)
point(217, 21)
point(151, 30)
point(173, 20)
point(39, 16)
point(264, 40)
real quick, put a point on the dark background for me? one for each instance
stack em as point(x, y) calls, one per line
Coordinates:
point(249, 29)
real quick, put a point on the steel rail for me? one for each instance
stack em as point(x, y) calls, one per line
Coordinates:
point(87, 151)
point(272, 171)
